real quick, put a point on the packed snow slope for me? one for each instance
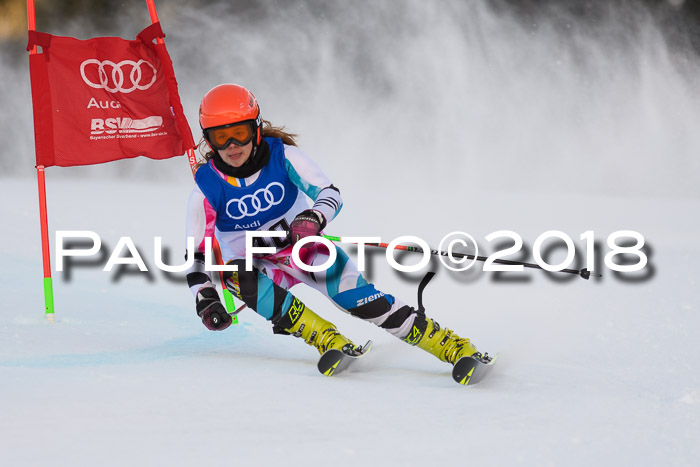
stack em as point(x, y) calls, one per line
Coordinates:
point(431, 118)
point(590, 372)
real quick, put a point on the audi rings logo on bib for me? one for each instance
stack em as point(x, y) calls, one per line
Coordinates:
point(260, 201)
point(125, 76)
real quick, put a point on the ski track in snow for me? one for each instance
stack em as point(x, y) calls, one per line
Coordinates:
point(590, 372)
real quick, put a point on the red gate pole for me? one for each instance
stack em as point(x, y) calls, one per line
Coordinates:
point(192, 159)
point(43, 216)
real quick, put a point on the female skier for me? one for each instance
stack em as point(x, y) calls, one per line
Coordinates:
point(256, 178)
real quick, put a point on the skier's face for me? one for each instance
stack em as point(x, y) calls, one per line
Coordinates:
point(236, 156)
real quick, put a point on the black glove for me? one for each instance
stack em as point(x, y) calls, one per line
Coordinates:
point(306, 224)
point(210, 309)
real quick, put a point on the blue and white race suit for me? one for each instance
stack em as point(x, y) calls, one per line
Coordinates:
point(226, 207)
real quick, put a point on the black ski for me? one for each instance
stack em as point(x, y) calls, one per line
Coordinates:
point(334, 361)
point(471, 370)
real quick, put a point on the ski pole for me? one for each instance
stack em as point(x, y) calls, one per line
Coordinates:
point(585, 273)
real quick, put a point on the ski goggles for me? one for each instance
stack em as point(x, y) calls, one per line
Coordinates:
point(238, 133)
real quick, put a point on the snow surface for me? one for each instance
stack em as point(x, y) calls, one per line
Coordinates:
point(589, 372)
point(430, 119)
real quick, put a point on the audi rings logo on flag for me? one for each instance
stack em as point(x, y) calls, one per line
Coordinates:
point(125, 76)
point(260, 201)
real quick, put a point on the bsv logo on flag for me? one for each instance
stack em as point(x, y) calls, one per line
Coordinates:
point(260, 201)
point(119, 125)
point(125, 76)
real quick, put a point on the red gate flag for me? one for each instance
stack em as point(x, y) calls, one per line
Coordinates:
point(104, 99)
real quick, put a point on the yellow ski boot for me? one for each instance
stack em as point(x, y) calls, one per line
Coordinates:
point(302, 322)
point(441, 342)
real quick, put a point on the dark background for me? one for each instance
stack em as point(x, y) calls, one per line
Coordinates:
point(679, 19)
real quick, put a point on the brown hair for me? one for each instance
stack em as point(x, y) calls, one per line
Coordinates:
point(268, 130)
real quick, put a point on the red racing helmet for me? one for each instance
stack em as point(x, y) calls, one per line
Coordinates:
point(230, 113)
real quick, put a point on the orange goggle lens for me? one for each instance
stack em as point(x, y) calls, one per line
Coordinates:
point(238, 133)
